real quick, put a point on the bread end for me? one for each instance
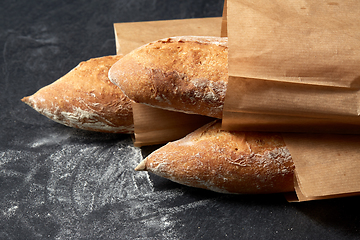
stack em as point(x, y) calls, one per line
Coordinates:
point(25, 99)
point(141, 166)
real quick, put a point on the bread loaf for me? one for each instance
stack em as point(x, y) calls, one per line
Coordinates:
point(226, 162)
point(85, 98)
point(186, 74)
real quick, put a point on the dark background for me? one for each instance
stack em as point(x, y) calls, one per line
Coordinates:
point(62, 183)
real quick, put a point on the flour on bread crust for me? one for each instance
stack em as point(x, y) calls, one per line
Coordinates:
point(187, 74)
point(227, 162)
point(85, 98)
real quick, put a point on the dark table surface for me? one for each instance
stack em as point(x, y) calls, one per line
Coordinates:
point(62, 183)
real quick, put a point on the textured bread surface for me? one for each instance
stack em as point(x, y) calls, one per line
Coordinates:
point(227, 162)
point(85, 98)
point(187, 74)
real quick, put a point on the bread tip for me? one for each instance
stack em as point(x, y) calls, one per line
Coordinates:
point(141, 166)
point(25, 99)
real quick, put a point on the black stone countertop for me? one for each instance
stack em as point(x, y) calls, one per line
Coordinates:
point(62, 183)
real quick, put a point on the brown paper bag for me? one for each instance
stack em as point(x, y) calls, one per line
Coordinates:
point(132, 35)
point(153, 125)
point(297, 60)
point(326, 165)
point(157, 126)
point(224, 21)
point(293, 68)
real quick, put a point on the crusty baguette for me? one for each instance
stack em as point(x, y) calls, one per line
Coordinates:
point(187, 74)
point(85, 98)
point(227, 162)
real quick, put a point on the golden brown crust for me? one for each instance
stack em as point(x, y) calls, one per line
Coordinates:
point(85, 98)
point(222, 161)
point(187, 74)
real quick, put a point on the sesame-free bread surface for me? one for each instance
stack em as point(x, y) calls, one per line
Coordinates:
point(226, 162)
point(85, 98)
point(187, 74)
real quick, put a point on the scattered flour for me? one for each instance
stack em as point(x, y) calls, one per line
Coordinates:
point(51, 139)
point(91, 190)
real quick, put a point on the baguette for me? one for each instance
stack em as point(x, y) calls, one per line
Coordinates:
point(186, 74)
point(226, 162)
point(85, 98)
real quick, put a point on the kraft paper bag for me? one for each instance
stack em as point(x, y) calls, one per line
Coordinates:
point(294, 67)
point(293, 59)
